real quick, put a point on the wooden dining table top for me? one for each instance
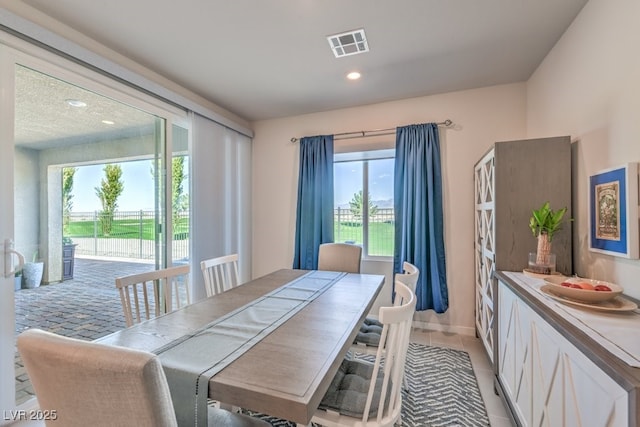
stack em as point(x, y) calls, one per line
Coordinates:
point(287, 373)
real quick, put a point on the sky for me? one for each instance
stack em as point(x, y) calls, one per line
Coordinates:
point(138, 187)
point(138, 184)
point(348, 180)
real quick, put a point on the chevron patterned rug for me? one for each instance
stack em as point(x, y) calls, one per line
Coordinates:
point(443, 390)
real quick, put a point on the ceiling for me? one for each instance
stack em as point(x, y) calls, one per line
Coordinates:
point(268, 59)
point(45, 119)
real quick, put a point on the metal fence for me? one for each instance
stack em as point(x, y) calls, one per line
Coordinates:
point(131, 234)
point(348, 228)
point(125, 234)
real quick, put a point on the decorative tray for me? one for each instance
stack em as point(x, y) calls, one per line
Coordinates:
point(531, 273)
point(615, 304)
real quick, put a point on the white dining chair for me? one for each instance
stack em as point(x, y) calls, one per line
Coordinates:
point(150, 294)
point(339, 257)
point(348, 402)
point(369, 335)
point(91, 384)
point(409, 276)
point(220, 274)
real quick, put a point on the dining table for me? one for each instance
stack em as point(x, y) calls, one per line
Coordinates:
point(282, 369)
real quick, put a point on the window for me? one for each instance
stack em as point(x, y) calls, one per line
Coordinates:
point(365, 179)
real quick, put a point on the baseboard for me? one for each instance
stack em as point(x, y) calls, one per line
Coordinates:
point(461, 330)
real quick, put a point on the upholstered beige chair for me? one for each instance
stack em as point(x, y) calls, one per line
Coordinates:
point(147, 295)
point(220, 274)
point(91, 384)
point(370, 394)
point(339, 257)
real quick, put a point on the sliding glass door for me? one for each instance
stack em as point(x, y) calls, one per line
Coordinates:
point(88, 171)
point(7, 310)
point(94, 186)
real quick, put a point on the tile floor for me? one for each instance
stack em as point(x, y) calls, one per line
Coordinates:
point(498, 416)
point(86, 307)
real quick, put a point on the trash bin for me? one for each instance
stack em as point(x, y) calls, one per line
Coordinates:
point(68, 255)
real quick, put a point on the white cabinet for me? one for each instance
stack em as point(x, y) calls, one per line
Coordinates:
point(484, 252)
point(546, 379)
point(512, 179)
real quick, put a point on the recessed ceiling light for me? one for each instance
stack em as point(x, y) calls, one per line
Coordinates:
point(349, 43)
point(76, 103)
point(354, 75)
point(108, 122)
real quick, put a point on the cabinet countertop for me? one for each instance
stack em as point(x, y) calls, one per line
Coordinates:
point(576, 332)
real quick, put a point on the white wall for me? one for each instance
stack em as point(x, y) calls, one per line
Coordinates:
point(589, 87)
point(27, 202)
point(481, 117)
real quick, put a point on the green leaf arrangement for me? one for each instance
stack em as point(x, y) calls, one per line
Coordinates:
point(546, 221)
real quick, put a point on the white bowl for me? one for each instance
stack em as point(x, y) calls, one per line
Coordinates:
point(584, 295)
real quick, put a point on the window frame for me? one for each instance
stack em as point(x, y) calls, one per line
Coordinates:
point(365, 156)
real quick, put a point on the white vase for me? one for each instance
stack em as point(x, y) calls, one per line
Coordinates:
point(32, 273)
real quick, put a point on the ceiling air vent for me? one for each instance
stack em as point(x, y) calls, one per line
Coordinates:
point(349, 43)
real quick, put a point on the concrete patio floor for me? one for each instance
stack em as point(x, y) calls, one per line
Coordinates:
point(86, 307)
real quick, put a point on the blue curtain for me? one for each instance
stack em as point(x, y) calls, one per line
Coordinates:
point(419, 223)
point(314, 221)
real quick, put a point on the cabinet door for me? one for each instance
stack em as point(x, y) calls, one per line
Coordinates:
point(548, 381)
point(484, 250)
point(514, 367)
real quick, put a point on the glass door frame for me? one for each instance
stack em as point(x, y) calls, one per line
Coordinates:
point(16, 51)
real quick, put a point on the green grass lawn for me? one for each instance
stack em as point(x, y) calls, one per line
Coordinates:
point(123, 229)
point(380, 233)
point(380, 236)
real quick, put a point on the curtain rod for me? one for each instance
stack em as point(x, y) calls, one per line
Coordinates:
point(374, 132)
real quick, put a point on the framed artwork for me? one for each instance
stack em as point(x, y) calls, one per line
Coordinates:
point(613, 211)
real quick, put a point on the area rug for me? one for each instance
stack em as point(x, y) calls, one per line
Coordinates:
point(442, 390)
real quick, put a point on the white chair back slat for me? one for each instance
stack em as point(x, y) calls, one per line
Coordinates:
point(364, 342)
point(177, 284)
point(394, 344)
point(220, 274)
point(409, 276)
point(150, 294)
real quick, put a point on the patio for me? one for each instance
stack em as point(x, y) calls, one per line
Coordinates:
point(86, 307)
